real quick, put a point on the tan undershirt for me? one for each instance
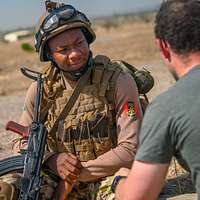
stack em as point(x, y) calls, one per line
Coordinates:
point(127, 130)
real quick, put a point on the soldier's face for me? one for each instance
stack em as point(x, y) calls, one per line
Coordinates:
point(69, 49)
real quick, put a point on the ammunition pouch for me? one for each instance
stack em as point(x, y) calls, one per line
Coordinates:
point(101, 136)
point(102, 145)
point(85, 150)
point(90, 139)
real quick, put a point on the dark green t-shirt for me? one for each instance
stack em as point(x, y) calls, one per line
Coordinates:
point(171, 126)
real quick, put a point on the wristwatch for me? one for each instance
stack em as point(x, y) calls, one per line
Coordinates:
point(116, 181)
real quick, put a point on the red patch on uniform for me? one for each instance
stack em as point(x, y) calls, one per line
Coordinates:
point(129, 109)
point(125, 107)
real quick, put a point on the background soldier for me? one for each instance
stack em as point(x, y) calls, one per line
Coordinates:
point(99, 134)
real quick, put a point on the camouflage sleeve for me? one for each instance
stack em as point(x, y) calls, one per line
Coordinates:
point(128, 117)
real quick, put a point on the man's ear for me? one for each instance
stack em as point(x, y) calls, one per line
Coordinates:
point(164, 48)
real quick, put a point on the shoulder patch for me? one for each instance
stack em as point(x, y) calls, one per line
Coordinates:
point(129, 109)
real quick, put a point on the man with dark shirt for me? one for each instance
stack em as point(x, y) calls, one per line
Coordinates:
point(171, 125)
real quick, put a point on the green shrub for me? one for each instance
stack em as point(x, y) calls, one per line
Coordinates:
point(27, 47)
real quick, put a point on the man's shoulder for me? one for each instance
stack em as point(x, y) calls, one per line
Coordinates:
point(164, 101)
point(108, 61)
point(173, 96)
point(110, 67)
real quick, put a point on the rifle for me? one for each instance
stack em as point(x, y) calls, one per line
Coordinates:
point(32, 157)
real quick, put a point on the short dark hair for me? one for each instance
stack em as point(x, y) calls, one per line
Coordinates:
point(178, 23)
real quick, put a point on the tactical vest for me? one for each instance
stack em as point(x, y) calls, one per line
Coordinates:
point(89, 130)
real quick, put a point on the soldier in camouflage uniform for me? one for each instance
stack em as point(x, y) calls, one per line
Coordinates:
point(100, 133)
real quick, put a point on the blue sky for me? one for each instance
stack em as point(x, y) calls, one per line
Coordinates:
point(23, 13)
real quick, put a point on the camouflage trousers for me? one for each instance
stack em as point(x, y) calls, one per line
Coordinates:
point(100, 190)
point(46, 191)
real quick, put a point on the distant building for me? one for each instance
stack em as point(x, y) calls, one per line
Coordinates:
point(15, 36)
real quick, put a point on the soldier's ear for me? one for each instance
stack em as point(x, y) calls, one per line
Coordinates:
point(164, 48)
point(48, 53)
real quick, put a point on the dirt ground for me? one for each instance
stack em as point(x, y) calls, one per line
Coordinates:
point(132, 42)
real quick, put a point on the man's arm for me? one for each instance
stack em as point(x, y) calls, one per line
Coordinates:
point(144, 182)
point(127, 130)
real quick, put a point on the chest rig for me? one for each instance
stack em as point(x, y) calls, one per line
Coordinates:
point(89, 130)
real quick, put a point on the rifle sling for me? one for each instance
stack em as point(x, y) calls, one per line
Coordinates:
point(63, 114)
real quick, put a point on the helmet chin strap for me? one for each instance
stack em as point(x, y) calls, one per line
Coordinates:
point(76, 74)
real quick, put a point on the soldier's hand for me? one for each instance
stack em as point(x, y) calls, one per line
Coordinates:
point(66, 165)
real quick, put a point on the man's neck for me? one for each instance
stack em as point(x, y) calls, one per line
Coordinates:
point(184, 64)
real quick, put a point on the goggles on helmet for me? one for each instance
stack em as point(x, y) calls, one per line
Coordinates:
point(56, 18)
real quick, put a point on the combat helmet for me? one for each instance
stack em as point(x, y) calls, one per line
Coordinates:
point(58, 18)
